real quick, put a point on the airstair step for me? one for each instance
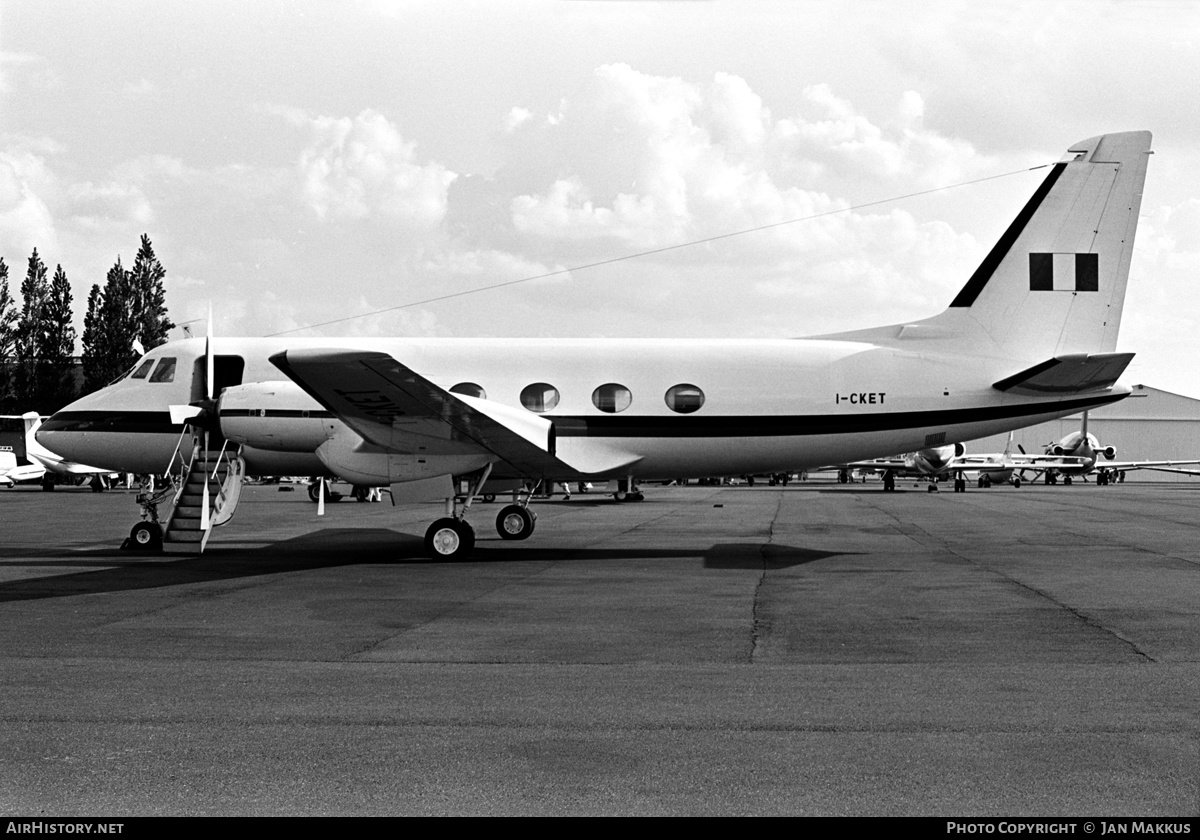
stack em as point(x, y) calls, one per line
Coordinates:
point(183, 536)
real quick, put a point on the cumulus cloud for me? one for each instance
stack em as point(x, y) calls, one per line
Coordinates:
point(26, 221)
point(97, 205)
point(649, 161)
point(361, 167)
point(637, 162)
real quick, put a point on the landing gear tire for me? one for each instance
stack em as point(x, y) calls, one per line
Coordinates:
point(960, 485)
point(449, 539)
point(1016, 482)
point(515, 523)
point(314, 491)
point(48, 483)
point(146, 536)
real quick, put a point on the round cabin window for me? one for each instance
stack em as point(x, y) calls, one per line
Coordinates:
point(684, 398)
point(539, 397)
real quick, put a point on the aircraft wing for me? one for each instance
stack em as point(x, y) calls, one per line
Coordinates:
point(879, 464)
point(1042, 462)
point(390, 405)
point(1147, 465)
point(1169, 469)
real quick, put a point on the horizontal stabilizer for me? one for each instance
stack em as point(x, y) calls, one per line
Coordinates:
point(1068, 374)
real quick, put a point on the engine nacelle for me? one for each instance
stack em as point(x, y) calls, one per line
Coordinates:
point(1110, 452)
point(352, 459)
point(959, 450)
point(275, 416)
point(1057, 450)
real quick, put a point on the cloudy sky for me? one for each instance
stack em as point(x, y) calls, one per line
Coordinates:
point(301, 163)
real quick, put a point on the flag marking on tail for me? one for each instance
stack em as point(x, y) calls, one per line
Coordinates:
point(1064, 272)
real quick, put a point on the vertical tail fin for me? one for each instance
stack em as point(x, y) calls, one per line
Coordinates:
point(1055, 281)
point(32, 421)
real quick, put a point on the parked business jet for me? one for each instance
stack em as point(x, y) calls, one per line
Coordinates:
point(11, 471)
point(15, 467)
point(1030, 337)
point(1084, 446)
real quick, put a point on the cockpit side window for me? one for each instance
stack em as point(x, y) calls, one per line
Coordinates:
point(142, 369)
point(165, 372)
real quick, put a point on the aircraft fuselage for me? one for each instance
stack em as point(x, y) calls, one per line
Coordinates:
point(747, 406)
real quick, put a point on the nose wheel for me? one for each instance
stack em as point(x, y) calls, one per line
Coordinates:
point(145, 536)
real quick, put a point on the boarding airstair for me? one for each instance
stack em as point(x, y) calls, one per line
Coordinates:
point(207, 495)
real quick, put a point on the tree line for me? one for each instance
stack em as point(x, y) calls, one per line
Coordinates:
point(125, 317)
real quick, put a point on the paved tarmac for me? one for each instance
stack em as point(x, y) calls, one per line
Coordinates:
point(817, 649)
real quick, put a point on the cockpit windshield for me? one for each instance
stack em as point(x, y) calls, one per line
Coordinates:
point(141, 370)
point(165, 372)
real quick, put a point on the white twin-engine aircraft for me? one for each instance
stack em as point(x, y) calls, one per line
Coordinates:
point(1030, 337)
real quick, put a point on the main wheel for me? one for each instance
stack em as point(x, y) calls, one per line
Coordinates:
point(449, 539)
point(146, 536)
point(515, 523)
point(314, 493)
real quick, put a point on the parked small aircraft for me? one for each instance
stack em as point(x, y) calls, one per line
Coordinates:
point(938, 462)
point(1087, 449)
point(40, 463)
point(1030, 337)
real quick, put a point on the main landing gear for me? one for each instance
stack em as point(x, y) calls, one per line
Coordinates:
point(453, 538)
point(314, 491)
point(627, 491)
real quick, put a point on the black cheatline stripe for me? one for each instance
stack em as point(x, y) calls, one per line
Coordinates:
point(688, 426)
point(805, 425)
point(129, 422)
point(979, 279)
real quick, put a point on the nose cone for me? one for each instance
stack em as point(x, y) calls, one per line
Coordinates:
point(108, 430)
point(66, 432)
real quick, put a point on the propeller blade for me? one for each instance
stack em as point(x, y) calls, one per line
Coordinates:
point(208, 356)
point(204, 508)
point(182, 413)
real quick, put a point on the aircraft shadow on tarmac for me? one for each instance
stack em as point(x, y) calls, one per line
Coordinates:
point(332, 548)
